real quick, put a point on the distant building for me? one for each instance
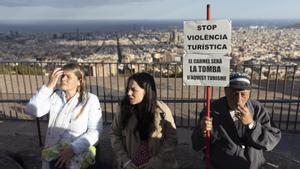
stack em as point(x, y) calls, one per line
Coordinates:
point(174, 36)
point(102, 69)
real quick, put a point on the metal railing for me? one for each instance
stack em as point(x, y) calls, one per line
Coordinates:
point(277, 87)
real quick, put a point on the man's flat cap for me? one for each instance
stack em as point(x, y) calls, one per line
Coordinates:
point(239, 81)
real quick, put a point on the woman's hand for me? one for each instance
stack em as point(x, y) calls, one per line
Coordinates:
point(131, 166)
point(54, 77)
point(145, 166)
point(65, 155)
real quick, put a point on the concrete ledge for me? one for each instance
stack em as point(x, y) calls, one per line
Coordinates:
point(21, 137)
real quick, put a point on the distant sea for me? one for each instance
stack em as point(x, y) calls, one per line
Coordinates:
point(56, 26)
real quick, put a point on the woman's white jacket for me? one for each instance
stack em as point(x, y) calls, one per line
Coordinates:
point(66, 123)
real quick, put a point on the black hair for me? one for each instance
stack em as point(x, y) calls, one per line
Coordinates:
point(144, 111)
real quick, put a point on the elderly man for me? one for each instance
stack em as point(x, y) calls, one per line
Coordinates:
point(240, 127)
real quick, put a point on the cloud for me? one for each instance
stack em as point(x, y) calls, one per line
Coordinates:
point(66, 3)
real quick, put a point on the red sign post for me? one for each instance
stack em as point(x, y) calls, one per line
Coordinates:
point(205, 62)
point(207, 139)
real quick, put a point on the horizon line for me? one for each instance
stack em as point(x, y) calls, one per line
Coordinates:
point(120, 19)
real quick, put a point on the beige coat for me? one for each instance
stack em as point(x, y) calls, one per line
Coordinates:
point(162, 143)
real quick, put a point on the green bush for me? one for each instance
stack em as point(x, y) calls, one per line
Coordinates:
point(29, 69)
point(5, 69)
point(23, 69)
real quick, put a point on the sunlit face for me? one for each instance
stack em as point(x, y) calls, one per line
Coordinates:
point(69, 81)
point(135, 93)
point(236, 98)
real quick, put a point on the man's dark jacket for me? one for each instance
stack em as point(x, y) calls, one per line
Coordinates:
point(234, 145)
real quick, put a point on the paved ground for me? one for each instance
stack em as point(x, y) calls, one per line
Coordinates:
point(21, 138)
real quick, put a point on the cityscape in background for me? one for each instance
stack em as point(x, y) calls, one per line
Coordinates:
point(113, 39)
point(253, 41)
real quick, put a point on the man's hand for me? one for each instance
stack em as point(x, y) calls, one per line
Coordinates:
point(205, 125)
point(65, 156)
point(54, 77)
point(244, 115)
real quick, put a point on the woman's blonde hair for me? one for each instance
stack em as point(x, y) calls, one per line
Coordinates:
point(79, 73)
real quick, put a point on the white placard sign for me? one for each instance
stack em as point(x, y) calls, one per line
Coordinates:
point(207, 36)
point(206, 70)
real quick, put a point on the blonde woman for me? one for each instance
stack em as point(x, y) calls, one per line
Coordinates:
point(74, 115)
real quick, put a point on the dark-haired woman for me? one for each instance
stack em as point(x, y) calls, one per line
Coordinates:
point(143, 132)
point(74, 116)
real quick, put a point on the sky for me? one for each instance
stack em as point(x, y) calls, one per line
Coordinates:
point(147, 9)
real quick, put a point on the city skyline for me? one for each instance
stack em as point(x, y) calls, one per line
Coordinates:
point(146, 9)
